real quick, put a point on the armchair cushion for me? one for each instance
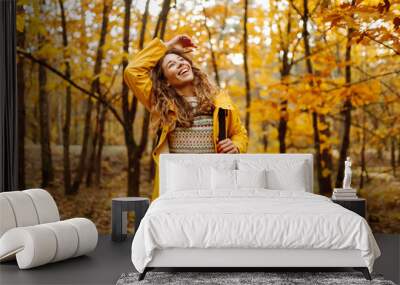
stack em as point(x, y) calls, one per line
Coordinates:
point(31, 231)
point(40, 244)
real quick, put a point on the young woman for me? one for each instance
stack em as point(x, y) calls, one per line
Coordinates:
point(189, 113)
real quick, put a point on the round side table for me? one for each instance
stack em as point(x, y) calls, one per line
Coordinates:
point(119, 212)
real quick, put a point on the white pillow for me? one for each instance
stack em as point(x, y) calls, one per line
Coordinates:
point(295, 180)
point(200, 160)
point(251, 178)
point(228, 179)
point(223, 179)
point(282, 174)
point(184, 177)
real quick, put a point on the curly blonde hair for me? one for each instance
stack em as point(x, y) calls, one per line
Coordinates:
point(164, 96)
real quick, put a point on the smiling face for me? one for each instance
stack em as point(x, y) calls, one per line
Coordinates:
point(177, 70)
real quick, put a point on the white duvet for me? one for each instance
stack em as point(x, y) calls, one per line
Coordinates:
point(252, 218)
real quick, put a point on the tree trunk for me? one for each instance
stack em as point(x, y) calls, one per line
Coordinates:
point(133, 190)
point(393, 154)
point(47, 164)
point(34, 125)
point(59, 120)
point(162, 19)
point(246, 69)
point(95, 87)
point(162, 14)
point(103, 119)
point(82, 159)
point(67, 122)
point(326, 156)
point(282, 127)
point(93, 150)
point(285, 72)
point(99, 154)
point(346, 111)
point(324, 179)
point(83, 46)
point(213, 58)
point(134, 151)
point(21, 107)
point(363, 143)
point(76, 125)
point(144, 138)
point(398, 150)
point(379, 151)
point(133, 155)
point(265, 136)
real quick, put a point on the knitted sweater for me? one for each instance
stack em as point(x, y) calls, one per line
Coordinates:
point(195, 139)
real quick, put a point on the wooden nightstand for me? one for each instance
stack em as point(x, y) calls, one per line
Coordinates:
point(358, 205)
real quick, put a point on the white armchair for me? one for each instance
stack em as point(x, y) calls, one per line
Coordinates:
point(32, 233)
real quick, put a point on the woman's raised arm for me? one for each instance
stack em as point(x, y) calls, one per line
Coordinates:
point(137, 74)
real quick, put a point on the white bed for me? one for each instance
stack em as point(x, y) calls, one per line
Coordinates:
point(250, 227)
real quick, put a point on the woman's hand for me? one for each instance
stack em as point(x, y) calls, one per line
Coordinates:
point(227, 146)
point(181, 42)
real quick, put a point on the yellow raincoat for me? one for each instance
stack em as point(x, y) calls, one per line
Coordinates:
point(137, 76)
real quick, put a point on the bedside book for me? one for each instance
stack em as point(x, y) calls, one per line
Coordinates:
point(345, 194)
point(341, 190)
point(336, 197)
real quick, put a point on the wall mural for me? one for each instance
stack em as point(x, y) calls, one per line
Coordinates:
point(318, 77)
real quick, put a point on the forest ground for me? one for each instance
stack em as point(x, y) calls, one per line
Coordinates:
point(382, 191)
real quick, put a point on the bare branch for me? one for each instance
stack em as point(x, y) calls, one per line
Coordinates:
point(389, 87)
point(298, 40)
point(315, 8)
point(354, 124)
point(94, 95)
point(112, 80)
point(362, 80)
point(319, 51)
point(382, 43)
point(297, 9)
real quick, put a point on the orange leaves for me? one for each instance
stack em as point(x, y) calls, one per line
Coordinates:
point(361, 38)
point(365, 93)
point(334, 19)
point(274, 29)
point(359, 94)
point(371, 21)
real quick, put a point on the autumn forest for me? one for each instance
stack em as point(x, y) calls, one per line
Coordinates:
point(309, 76)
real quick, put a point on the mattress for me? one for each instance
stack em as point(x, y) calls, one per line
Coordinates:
point(252, 219)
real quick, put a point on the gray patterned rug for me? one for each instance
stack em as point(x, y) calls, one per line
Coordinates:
point(231, 278)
